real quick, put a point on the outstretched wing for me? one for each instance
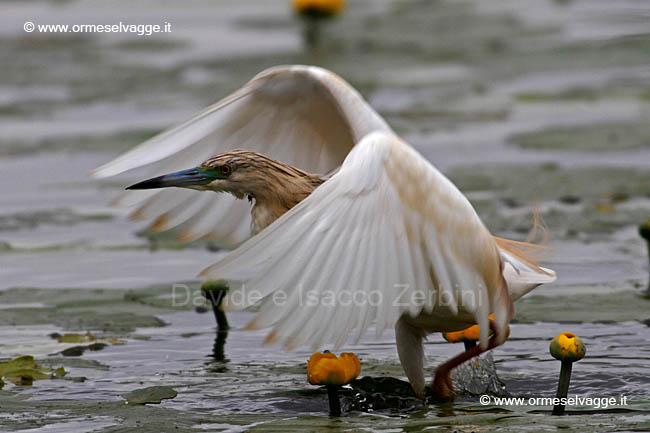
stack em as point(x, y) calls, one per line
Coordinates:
point(304, 116)
point(386, 235)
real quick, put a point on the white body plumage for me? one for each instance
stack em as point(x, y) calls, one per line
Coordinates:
point(387, 222)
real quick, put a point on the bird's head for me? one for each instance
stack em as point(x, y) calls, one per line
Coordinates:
point(234, 172)
point(241, 173)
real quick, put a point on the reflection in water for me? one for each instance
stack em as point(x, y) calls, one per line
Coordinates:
point(214, 291)
point(644, 231)
point(218, 362)
point(218, 352)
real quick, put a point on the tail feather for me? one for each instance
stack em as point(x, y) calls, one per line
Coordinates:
point(520, 266)
point(530, 254)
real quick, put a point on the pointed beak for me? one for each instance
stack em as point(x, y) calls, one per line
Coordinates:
point(184, 178)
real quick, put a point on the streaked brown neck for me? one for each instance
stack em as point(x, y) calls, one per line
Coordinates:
point(275, 187)
point(272, 186)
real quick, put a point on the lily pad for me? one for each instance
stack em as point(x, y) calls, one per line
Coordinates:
point(76, 338)
point(75, 363)
point(88, 338)
point(74, 351)
point(588, 137)
point(152, 394)
point(24, 370)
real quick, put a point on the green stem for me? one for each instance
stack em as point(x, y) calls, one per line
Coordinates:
point(312, 32)
point(218, 349)
point(648, 289)
point(469, 344)
point(335, 404)
point(644, 231)
point(215, 297)
point(563, 386)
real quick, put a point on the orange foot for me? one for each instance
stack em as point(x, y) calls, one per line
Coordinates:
point(442, 386)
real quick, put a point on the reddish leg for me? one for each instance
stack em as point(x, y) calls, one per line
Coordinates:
point(442, 386)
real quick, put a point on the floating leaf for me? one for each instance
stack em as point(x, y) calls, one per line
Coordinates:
point(76, 338)
point(22, 363)
point(74, 351)
point(24, 370)
point(88, 338)
point(152, 394)
point(97, 346)
point(21, 380)
point(24, 378)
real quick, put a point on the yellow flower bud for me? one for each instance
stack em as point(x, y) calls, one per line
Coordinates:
point(567, 347)
point(318, 8)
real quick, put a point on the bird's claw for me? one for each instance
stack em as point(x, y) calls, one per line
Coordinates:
point(442, 388)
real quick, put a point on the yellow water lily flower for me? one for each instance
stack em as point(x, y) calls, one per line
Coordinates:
point(328, 369)
point(567, 347)
point(318, 8)
point(468, 334)
point(472, 333)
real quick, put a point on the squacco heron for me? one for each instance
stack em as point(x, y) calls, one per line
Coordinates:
point(385, 239)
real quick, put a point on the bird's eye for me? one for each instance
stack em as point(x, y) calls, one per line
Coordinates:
point(225, 169)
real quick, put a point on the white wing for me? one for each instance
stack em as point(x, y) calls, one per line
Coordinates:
point(304, 116)
point(386, 235)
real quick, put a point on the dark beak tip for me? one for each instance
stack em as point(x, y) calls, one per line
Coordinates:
point(147, 184)
point(135, 186)
point(182, 178)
